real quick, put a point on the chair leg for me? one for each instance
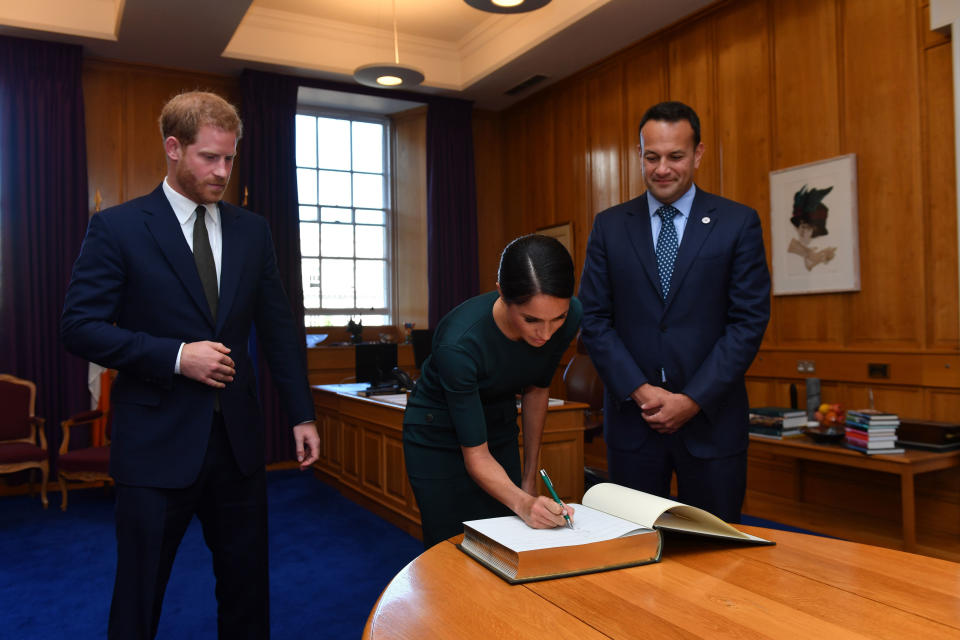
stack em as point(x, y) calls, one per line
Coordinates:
point(44, 475)
point(63, 492)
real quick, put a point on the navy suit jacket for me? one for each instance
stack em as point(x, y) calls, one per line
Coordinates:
point(135, 296)
point(703, 337)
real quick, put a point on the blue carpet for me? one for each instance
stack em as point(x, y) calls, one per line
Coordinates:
point(329, 561)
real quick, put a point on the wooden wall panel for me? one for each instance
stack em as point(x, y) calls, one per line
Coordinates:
point(604, 129)
point(570, 165)
point(541, 161)
point(412, 302)
point(940, 208)
point(806, 129)
point(880, 82)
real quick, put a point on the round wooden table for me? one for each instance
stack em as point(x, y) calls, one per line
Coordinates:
point(803, 587)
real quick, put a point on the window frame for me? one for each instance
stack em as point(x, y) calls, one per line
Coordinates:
point(389, 311)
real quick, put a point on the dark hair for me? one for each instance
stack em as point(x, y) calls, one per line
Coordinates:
point(673, 112)
point(535, 264)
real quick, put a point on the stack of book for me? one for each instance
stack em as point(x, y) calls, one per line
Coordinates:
point(870, 431)
point(777, 422)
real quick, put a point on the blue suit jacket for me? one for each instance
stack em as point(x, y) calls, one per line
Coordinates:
point(135, 296)
point(704, 336)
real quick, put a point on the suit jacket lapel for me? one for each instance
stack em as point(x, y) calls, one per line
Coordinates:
point(638, 230)
point(162, 223)
point(694, 235)
point(230, 256)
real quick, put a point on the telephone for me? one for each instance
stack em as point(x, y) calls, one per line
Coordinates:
point(397, 382)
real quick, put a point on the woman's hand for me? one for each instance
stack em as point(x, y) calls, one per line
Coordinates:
point(541, 512)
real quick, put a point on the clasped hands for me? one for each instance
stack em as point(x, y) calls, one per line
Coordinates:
point(663, 410)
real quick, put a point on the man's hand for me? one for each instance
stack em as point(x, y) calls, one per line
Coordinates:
point(207, 362)
point(308, 443)
point(664, 411)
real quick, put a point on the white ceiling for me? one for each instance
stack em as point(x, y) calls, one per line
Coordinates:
point(462, 52)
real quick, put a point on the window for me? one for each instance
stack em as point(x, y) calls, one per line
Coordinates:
point(342, 186)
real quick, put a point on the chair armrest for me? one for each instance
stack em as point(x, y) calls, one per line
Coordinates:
point(77, 419)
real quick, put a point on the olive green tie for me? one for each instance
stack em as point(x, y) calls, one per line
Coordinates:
point(203, 256)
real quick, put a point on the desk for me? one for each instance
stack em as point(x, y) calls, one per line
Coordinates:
point(804, 587)
point(361, 451)
point(906, 465)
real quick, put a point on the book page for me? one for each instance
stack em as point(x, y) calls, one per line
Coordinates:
point(589, 525)
point(653, 511)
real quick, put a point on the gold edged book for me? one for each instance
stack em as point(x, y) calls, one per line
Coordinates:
point(615, 527)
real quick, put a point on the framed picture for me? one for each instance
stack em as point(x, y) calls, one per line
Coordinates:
point(562, 232)
point(813, 227)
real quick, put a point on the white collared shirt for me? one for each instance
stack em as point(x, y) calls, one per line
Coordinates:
point(683, 204)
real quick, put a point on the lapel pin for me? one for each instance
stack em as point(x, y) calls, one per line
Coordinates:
point(705, 219)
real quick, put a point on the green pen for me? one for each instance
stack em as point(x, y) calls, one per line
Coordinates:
point(553, 492)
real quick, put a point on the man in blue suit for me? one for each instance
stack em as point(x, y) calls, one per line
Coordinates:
point(166, 290)
point(676, 297)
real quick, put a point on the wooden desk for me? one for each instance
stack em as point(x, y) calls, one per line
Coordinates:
point(361, 451)
point(906, 465)
point(804, 587)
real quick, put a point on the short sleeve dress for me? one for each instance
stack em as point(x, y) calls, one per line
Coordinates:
point(466, 395)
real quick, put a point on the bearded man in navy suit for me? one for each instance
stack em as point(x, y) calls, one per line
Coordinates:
point(676, 297)
point(166, 290)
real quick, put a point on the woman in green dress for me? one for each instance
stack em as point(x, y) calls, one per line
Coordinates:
point(460, 427)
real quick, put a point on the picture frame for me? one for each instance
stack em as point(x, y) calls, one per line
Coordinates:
point(814, 237)
point(562, 232)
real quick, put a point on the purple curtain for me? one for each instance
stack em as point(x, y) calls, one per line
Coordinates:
point(451, 207)
point(268, 185)
point(43, 216)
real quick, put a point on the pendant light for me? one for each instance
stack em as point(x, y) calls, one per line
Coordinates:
point(507, 6)
point(390, 76)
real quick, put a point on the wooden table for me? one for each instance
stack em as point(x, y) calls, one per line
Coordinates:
point(906, 465)
point(361, 451)
point(803, 587)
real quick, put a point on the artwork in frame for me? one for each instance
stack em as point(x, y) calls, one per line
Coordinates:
point(562, 232)
point(813, 227)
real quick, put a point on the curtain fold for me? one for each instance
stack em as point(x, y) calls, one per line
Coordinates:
point(268, 186)
point(43, 217)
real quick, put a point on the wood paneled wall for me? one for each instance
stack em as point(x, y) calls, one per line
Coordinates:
point(410, 207)
point(776, 83)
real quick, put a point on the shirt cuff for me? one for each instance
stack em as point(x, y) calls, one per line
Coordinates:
point(176, 366)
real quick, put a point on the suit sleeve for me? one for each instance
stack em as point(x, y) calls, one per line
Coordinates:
point(278, 335)
point(748, 312)
point(92, 306)
point(619, 371)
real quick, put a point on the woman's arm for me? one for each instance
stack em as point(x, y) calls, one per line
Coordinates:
point(533, 408)
point(538, 512)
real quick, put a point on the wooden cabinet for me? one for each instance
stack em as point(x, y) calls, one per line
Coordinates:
point(361, 451)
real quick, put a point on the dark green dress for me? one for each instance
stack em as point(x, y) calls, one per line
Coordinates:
point(466, 395)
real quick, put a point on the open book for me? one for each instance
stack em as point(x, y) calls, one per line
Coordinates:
point(615, 527)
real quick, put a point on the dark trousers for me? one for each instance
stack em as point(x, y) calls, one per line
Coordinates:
point(150, 524)
point(716, 485)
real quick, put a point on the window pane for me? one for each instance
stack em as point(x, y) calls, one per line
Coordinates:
point(337, 282)
point(326, 321)
point(308, 213)
point(307, 186)
point(311, 282)
point(329, 214)
point(336, 240)
point(371, 284)
point(309, 239)
point(334, 188)
point(368, 147)
point(306, 141)
point(371, 242)
point(333, 143)
point(374, 321)
point(368, 190)
point(370, 216)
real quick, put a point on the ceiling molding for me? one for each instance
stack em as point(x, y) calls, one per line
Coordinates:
point(88, 18)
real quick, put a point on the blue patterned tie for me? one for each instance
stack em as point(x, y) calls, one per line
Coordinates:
point(666, 247)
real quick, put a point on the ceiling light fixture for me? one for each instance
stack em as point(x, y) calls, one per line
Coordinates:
point(507, 6)
point(390, 76)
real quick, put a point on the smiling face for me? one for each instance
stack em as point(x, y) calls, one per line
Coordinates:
point(200, 171)
point(536, 320)
point(670, 158)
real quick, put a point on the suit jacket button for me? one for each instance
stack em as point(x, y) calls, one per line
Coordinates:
point(663, 328)
point(428, 417)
